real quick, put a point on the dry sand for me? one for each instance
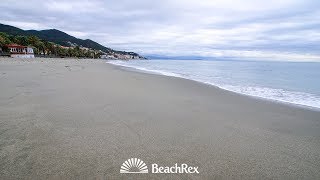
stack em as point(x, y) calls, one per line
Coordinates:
point(81, 119)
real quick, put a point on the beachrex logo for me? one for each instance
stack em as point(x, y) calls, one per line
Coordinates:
point(183, 168)
point(135, 165)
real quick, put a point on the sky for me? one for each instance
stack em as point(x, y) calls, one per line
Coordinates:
point(262, 29)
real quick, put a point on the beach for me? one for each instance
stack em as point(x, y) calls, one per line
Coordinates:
point(81, 119)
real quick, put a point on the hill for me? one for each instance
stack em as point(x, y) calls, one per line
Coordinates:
point(61, 38)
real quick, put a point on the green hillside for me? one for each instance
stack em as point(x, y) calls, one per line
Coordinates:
point(59, 37)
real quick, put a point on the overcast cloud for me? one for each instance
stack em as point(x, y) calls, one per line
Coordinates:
point(244, 28)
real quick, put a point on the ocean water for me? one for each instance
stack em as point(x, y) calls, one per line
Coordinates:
point(290, 82)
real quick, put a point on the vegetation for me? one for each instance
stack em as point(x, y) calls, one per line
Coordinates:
point(40, 40)
point(46, 48)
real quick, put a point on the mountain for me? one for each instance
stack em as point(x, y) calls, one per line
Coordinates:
point(59, 37)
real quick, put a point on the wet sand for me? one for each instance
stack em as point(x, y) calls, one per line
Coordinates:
point(81, 119)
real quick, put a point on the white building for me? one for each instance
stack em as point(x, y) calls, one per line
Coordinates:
point(104, 56)
point(18, 51)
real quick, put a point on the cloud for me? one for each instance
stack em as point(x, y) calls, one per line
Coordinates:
point(286, 28)
point(25, 25)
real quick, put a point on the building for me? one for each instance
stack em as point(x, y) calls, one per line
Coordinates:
point(65, 47)
point(105, 56)
point(18, 51)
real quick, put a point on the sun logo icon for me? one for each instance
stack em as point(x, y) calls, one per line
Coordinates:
point(134, 165)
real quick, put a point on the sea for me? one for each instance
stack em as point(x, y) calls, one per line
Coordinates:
point(296, 83)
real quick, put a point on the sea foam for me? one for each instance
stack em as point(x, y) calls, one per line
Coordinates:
point(198, 71)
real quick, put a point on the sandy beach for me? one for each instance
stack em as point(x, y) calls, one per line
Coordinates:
point(81, 119)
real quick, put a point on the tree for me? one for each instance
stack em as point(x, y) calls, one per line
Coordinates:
point(33, 40)
point(45, 47)
point(4, 39)
point(41, 47)
point(49, 47)
point(70, 52)
point(22, 40)
point(12, 39)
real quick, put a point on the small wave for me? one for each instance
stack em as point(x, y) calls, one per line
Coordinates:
point(279, 95)
point(297, 98)
point(161, 72)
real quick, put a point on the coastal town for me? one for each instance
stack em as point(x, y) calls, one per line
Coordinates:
point(52, 43)
point(20, 51)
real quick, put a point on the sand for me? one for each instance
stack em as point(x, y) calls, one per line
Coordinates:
point(81, 119)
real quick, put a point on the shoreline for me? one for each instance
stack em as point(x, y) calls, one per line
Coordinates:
point(294, 105)
point(133, 69)
point(71, 119)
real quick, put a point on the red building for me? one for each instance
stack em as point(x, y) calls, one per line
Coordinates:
point(19, 51)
